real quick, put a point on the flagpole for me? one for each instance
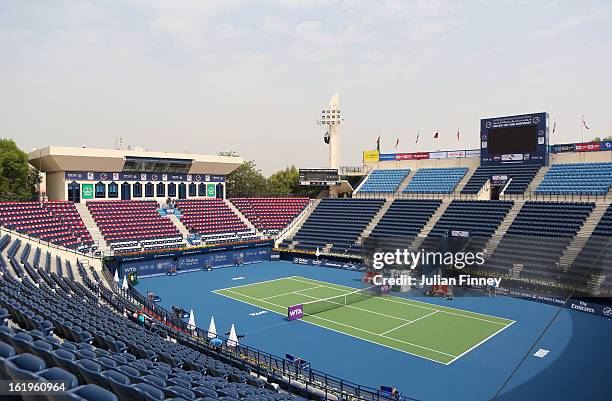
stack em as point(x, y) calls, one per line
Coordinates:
point(582, 127)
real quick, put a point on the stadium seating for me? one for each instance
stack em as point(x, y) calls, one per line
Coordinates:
point(130, 225)
point(404, 220)
point(577, 179)
point(595, 259)
point(270, 213)
point(537, 238)
point(57, 222)
point(384, 181)
point(521, 178)
point(210, 216)
point(60, 330)
point(338, 222)
point(435, 180)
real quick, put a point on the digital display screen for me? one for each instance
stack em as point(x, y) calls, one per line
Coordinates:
point(503, 141)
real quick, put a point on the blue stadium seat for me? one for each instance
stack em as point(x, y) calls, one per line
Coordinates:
point(384, 181)
point(577, 179)
point(436, 180)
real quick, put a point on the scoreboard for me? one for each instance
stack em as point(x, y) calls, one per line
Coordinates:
point(319, 177)
point(521, 139)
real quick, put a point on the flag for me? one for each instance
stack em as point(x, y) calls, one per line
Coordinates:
point(436, 135)
point(458, 135)
point(396, 143)
point(554, 125)
point(584, 123)
point(417, 139)
point(378, 143)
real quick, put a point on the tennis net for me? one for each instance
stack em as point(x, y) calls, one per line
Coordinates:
point(322, 305)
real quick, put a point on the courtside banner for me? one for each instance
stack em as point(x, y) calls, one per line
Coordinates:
point(472, 153)
point(295, 312)
point(370, 156)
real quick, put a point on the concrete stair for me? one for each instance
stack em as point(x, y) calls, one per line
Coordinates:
point(503, 227)
point(537, 180)
point(594, 284)
point(179, 224)
point(464, 180)
point(372, 224)
point(405, 182)
point(242, 217)
point(296, 224)
point(583, 236)
point(430, 223)
point(91, 225)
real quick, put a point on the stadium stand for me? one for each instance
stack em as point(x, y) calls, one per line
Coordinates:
point(593, 265)
point(436, 180)
point(384, 181)
point(129, 225)
point(270, 214)
point(57, 222)
point(577, 179)
point(521, 178)
point(480, 219)
point(212, 219)
point(537, 238)
point(404, 220)
point(338, 222)
point(55, 328)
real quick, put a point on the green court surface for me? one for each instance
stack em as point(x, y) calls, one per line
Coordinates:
point(440, 334)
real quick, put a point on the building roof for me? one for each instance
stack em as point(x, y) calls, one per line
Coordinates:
point(59, 158)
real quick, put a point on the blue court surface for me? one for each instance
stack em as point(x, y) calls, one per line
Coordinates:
point(576, 367)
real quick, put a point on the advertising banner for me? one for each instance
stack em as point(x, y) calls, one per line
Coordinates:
point(116, 176)
point(561, 148)
point(438, 155)
point(211, 190)
point(370, 156)
point(457, 154)
point(587, 147)
point(386, 156)
point(87, 191)
point(472, 153)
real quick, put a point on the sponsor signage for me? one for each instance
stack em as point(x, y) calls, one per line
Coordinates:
point(412, 156)
point(87, 191)
point(211, 190)
point(386, 157)
point(295, 312)
point(370, 156)
point(472, 153)
point(438, 155)
point(110, 176)
point(462, 234)
point(457, 154)
point(561, 148)
point(499, 180)
point(588, 147)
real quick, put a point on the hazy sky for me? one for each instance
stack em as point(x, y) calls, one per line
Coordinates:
point(252, 76)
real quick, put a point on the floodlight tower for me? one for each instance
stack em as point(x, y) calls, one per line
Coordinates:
point(331, 118)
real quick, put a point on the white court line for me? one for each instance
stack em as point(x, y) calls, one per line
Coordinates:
point(294, 292)
point(480, 343)
point(337, 331)
point(410, 322)
point(431, 306)
point(259, 282)
point(354, 328)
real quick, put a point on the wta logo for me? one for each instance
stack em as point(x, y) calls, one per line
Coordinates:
point(295, 312)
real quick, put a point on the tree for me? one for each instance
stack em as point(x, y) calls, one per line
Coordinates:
point(598, 139)
point(287, 183)
point(18, 179)
point(246, 180)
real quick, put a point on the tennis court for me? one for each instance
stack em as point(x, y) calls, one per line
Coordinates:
point(438, 333)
